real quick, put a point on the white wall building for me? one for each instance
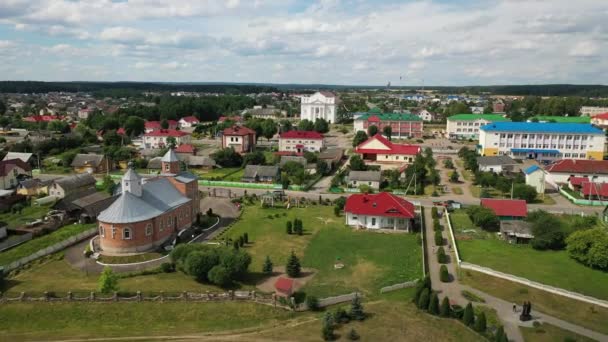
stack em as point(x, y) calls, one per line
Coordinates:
point(535, 177)
point(592, 110)
point(320, 105)
point(466, 126)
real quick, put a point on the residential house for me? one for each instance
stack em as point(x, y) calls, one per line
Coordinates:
point(498, 107)
point(235, 119)
point(25, 157)
point(11, 171)
point(297, 142)
point(240, 138)
point(600, 120)
point(560, 171)
point(199, 162)
point(594, 191)
point(575, 183)
point(320, 105)
point(332, 157)
point(33, 187)
point(298, 159)
point(506, 209)
point(185, 150)
point(88, 207)
point(84, 113)
point(91, 163)
point(160, 138)
point(42, 118)
point(426, 116)
point(402, 125)
point(381, 150)
point(592, 110)
point(151, 126)
point(379, 211)
point(65, 186)
point(476, 109)
point(535, 177)
point(261, 174)
point(545, 142)
point(516, 232)
point(496, 164)
point(371, 179)
point(466, 126)
point(188, 122)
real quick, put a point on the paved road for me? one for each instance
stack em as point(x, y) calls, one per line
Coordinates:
point(504, 309)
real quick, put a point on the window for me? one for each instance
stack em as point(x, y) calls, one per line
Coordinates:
point(113, 232)
point(583, 147)
point(390, 221)
point(531, 136)
point(524, 145)
point(584, 137)
point(582, 155)
point(102, 232)
point(149, 229)
point(373, 221)
point(169, 222)
point(568, 137)
point(502, 135)
point(566, 155)
point(509, 136)
point(524, 136)
point(167, 167)
point(574, 155)
point(126, 233)
point(160, 226)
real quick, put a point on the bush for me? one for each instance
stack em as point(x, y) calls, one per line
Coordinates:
point(444, 309)
point(167, 267)
point(341, 316)
point(437, 226)
point(444, 275)
point(108, 281)
point(434, 304)
point(434, 213)
point(589, 247)
point(352, 335)
point(219, 275)
point(327, 331)
point(480, 323)
point(468, 316)
point(423, 301)
point(267, 267)
point(442, 258)
point(356, 309)
point(288, 227)
point(312, 303)
point(337, 211)
point(484, 218)
point(438, 238)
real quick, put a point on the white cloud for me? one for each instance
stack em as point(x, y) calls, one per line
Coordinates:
point(585, 49)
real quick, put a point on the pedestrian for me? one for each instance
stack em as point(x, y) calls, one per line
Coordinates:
point(514, 307)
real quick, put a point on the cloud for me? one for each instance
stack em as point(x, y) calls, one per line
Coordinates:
point(585, 49)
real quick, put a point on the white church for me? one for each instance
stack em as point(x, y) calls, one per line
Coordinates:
point(320, 105)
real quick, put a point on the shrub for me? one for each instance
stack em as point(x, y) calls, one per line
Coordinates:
point(108, 281)
point(236, 245)
point(246, 237)
point(327, 331)
point(499, 334)
point(293, 267)
point(485, 218)
point(444, 309)
point(312, 303)
point(442, 258)
point(423, 301)
point(341, 316)
point(468, 316)
point(356, 309)
point(444, 276)
point(167, 267)
point(438, 238)
point(219, 275)
point(480, 323)
point(434, 213)
point(352, 335)
point(337, 211)
point(199, 260)
point(437, 226)
point(434, 304)
point(589, 247)
point(267, 267)
point(241, 241)
point(288, 227)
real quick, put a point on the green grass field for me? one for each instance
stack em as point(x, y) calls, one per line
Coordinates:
point(372, 260)
point(42, 321)
point(37, 244)
point(549, 333)
point(218, 173)
point(554, 268)
point(16, 220)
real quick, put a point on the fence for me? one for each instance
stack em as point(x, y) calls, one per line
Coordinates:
point(14, 241)
point(395, 287)
point(580, 201)
point(51, 249)
point(520, 280)
point(337, 299)
point(204, 182)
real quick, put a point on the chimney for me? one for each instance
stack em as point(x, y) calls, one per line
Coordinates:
point(374, 204)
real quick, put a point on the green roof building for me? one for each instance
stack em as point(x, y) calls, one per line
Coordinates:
point(560, 119)
point(466, 126)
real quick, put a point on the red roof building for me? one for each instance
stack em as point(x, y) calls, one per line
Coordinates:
point(188, 121)
point(296, 142)
point(230, 118)
point(284, 286)
point(380, 149)
point(506, 208)
point(42, 118)
point(379, 211)
point(562, 170)
point(157, 125)
point(594, 191)
point(576, 182)
point(160, 138)
point(241, 138)
point(600, 120)
point(185, 149)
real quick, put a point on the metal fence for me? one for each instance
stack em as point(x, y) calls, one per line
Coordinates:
point(51, 249)
point(14, 241)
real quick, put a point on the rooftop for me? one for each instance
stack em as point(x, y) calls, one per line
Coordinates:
point(381, 204)
point(238, 130)
point(391, 147)
point(562, 119)
point(541, 127)
point(473, 117)
point(579, 166)
point(371, 116)
point(166, 133)
point(368, 176)
point(495, 160)
point(506, 207)
point(301, 135)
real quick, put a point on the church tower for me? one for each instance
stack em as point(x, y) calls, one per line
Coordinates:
point(170, 163)
point(131, 182)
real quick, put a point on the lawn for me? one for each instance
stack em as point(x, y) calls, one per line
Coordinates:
point(457, 190)
point(129, 259)
point(554, 268)
point(476, 192)
point(581, 313)
point(37, 244)
point(94, 320)
point(236, 176)
point(368, 265)
point(549, 333)
point(16, 220)
point(372, 260)
point(218, 173)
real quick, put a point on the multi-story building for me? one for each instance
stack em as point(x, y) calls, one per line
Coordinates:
point(299, 141)
point(379, 211)
point(542, 141)
point(320, 105)
point(591, 110)
point(466, 126)
point(402, 125)
point(600, 120)
point(159, 138)
point(241, 138)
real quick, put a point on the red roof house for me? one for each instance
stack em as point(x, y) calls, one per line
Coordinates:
point(241, 138)
point(230, 118)
point(301, 135)
point(576, 182)
point(185, 149)
point(506, 208)
point(380, 149)
point(42, 118)
point(284, 286)
point(188, 121)
point(379, 211)
point(600, 120)
point(594, 191)
point(159, 138)
point(156, 125)
point(578, 167)
point(296, 142)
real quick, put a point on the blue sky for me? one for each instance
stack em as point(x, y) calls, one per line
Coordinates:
point(290, 41)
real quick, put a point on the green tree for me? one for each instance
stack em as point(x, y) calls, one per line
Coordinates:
point(312, 303)
point(480, 323)
point(444, 275)
point(267, 267)
point(442, 258)
point(108, 281)
point(547, 231)
point(438, 238)
point(322, 168)
point(500, 332)
point(372, 130)
point(423, 300)
point(445, 309)
point(254, 158)
point(525, 192)
point(321, 126)
point(164, 124)
point(227, 157)
point(171, 142)
point(448, 164)
point(356, 309)
point(58, 126)
point(134, 126)
point(199, 263)
point(341, 316)
point(2, 107)
point(454, 176)
point(356, 163)
point(288, 227)
point(327, 331)
point(306, 125)
point(108, 184)
point(589, 247)
point(269, 129)
point(483, 217)
point(468, 317)
point(293, 267)
point(353, 335)
point(388, 132)
point(434, 304)
point(220, 275)
point(359, 138)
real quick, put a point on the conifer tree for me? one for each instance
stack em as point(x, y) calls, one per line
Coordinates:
point(267, 268)
point(356, 309)
point(293, 267)
point(468, 318)
point(444, 310)
point(434, 304)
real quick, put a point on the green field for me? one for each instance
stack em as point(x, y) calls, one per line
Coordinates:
point(42, 321)
point(37, 244)
point(221, 173)
point(554, 268)
point(16, 220)
point(549, 333)
point(372, 260)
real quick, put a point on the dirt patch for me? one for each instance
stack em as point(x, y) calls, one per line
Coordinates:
point(363, 274)
point(267, 285)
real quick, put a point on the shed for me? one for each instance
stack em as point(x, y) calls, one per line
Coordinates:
point(516, 231)
point(261, 173)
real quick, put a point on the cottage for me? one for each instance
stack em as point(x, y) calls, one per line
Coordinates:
point(261, 174)
point(496, 164)
point(160, 138)
point(91, 163)
point(371, 179)
point(188, 122)
point(25, 157)
point(90, 206)
point(151, 126)
point(535, 177)
point(185, 150)
point(516, 231)
point(379, 211)
point(62, 187)
point(11, 171)
point(381, 150)
point(240, 138)
point(297, 142)
point(506, 209)
point(33, 187)
point(575, 183)
point(332, 157)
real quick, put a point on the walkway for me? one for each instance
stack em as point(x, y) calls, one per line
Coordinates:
point(504, 309)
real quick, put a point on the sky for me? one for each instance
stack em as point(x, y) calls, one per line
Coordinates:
point(355, 42)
